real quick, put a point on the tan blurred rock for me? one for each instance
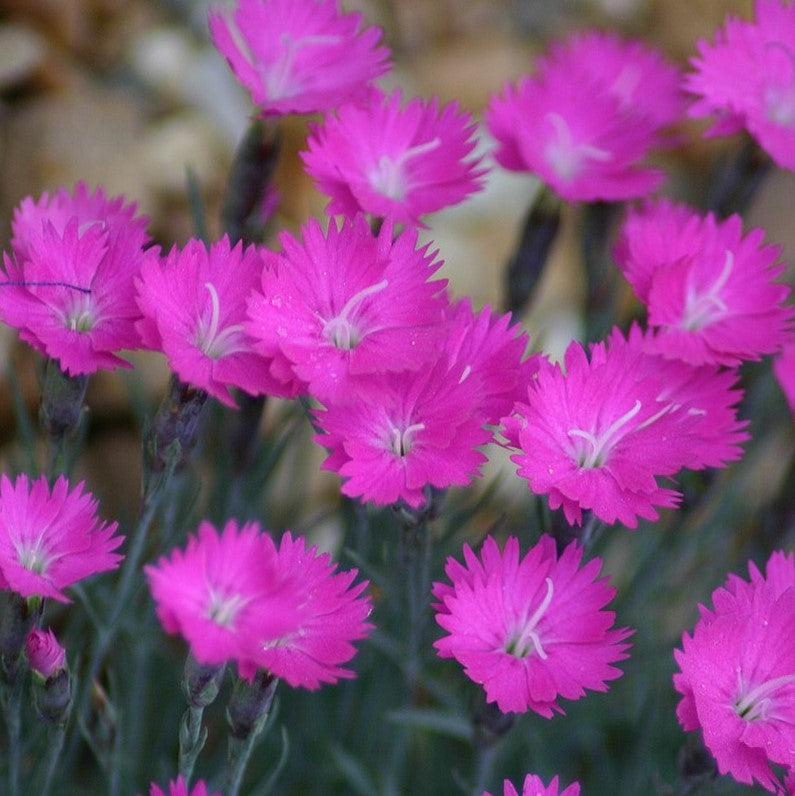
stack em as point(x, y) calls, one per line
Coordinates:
point(22, 53)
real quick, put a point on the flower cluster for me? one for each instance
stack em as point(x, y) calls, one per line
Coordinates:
point(597, 433)
point(51, 538)
point(236, 596)
point(737, 674)
point(532, 630)
point(711, 293)
point(586, 120)
point(70, 280)
point(746, 79)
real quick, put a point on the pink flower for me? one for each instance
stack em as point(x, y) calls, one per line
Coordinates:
point(404, 432)
point(530, 631)
point(491, 350)
point(194, 306)
point(747, 79)
point(710, 292)
point(299, 56)
point(784, 368)
point(597, 434)
point(586, 121)
point(737, 674)
point(179, 787)
point(394, 162)
point(534, 786)
point(340, 306)
point(329, 614)
point(46, 656)
point(50, 539)
point(222, 593)
point(72, 295)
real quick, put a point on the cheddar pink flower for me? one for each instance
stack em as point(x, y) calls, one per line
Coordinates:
point(343, 305)
point(530, 630)
point(51, 538)
point(179, 787)
point(737, 674)
point(746, 79)
point(585, 122)
point(405, 432)
point(711, 292)
point(72, 294)
point(534, 786)
point(299, 56)
point(194, 307)
point(329, 613)
point(394, 161)
point(597, 434)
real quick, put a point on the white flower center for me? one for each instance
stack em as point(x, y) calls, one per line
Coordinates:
point(779, 97)
point(33, 557)
point(280, 79)
point(214, 342)
point(401, 441)
point(758, 703)
point(80, 317)
point(389, 177)
point(223, 610)
point(565, 156)
point(525, 639)
point(704, 309)
point(341, 331)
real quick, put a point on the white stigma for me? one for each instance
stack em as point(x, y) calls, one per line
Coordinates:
point(389, 178)
point(340, 330)
point(565, 156)
point(213, 342)
point(601, 445)
point(520, 646)
point(401, 442)
point(702, 310)
point(758, 703)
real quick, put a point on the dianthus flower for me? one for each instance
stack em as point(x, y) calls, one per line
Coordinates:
point(596, 434)
point(404, 432)
point(391, 161)
point(340, 306)
point(179, 787)
point(194, 306)
point(586, 120)
point(710, 291)
point(737, 674)
point(299, 56)
point(746, 79)
point(534, 786)
point(70, 289)
point(491, 350)
point(329, 614)
point(235, 596)
point(50, 539)
point(784, 368)
point(532, 630)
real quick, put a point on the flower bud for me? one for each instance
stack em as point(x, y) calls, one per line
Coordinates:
point(45, 655)
point(52, 686)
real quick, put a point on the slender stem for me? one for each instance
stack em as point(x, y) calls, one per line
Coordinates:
point(591, 531)
point(247, 715)
point(13, 712)
point(191, 741)
point(54, 748)
point(484, 763)
point(415, 555)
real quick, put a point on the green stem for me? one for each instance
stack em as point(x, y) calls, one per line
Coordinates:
point(247, 715)
point(13, 706)
point(54, 748)
point(415, 550)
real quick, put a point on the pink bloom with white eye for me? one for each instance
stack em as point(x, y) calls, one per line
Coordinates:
point(299, 56)
point(337, 307)
point(784, 368)
point(534, 786)
point(50, 539)
point(394, 161)
point(583, 124)
point(746, 78)
point(405, 432)
point(222, 594)
point(597, 434)
point(194, 307)
point(533, 630)
point(179, 787)
point(491, 350)
point(737, 674)
point(72, 295)
point(711, 292)
point(45, 655)
point(329, 614)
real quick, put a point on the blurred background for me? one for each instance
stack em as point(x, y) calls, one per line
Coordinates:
point(129, 94)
